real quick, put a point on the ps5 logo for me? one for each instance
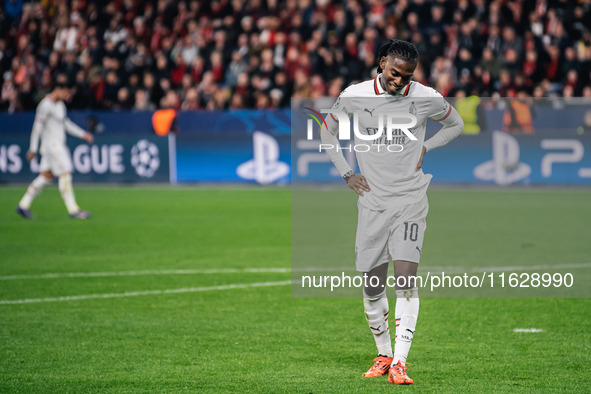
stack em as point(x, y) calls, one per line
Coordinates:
point(505, 168)
point(265, 166)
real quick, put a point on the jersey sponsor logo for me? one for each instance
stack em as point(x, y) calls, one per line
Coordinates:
point(370, 112)
point(265, 167)
point(398, 137)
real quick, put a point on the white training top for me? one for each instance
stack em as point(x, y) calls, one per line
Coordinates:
point(391, 173)
point(51, 124)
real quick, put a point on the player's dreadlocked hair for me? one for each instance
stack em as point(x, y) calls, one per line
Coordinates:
point(403, 50)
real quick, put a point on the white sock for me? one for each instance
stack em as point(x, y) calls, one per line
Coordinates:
point(32, 191)
point(376, 314)
point(65, 185)
point(405, 313)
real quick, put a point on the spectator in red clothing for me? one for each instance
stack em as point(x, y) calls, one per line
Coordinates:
point(178, 70)
point(217, 66)
point(553, 65)
point(572, 81)
point(505, 86)
point(197, 69)
point(291, 64)
point(532, 69)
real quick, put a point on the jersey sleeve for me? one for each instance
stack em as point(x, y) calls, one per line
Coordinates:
point(73, 129)
point(42, 112)
point(439, 108)
point(340, 105)
point(329, 139)
point(41, 115)
point(452, 128)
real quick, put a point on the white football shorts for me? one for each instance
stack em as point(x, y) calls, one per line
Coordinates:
point(57, 160)
point(389, 235)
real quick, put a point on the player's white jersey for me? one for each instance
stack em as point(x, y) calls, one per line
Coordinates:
point(51, 124)
point(389, 165)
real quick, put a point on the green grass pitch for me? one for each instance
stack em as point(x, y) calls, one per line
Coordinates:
point(212, 337)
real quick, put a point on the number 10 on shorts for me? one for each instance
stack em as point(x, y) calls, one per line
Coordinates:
point(411, 231)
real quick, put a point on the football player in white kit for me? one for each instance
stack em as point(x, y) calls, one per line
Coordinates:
point(50, 126)
point(392, 205)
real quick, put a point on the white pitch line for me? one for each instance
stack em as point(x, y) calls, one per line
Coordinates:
point(143, 293)
point(146, 272)
point(450, 269)
point(528, 330)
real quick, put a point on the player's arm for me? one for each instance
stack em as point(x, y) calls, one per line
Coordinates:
point(38, 124)
point(356, 182)
point(452, 127)
point(75, 130)
point(35, 135)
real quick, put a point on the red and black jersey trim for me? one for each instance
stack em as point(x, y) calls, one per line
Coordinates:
point(444, 116)
point(406, 90)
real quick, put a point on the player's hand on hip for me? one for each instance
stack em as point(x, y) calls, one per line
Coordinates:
point(358, 183)
point(31, 155)
point(420, 163)
point(88, 138)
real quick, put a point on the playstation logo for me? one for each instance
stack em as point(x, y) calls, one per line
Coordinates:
point(504, 169)
point(265, 166)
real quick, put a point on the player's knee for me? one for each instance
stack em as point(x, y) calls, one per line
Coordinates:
point(47, 175)
point(373, 294)
point(65, 182)
point(406, 275)
point(375, 283)
point(406, 282)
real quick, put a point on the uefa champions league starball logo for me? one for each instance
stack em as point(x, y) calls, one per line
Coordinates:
point(145, 158)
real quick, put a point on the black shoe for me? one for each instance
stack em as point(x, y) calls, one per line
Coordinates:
point(24, 213)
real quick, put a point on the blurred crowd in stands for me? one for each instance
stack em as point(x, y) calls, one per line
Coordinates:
point(216, 54)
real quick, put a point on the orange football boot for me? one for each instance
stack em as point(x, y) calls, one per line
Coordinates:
point(398, 374)
point(380, 367)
